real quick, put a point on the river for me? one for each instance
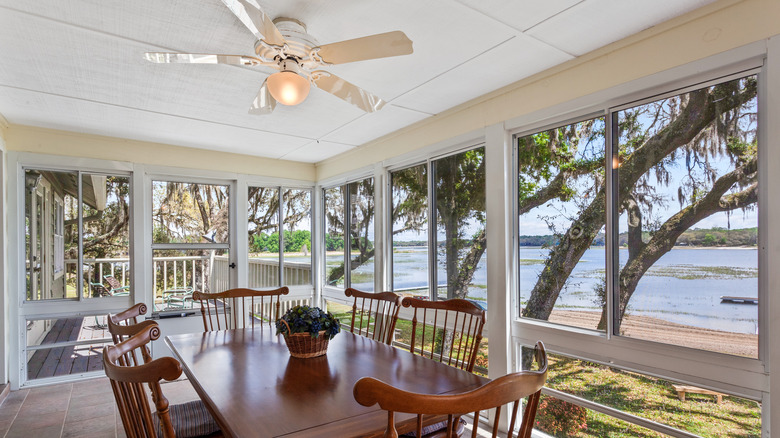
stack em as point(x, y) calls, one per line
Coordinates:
point(683, 287)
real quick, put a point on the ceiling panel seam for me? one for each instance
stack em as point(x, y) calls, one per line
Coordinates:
point(553, 16)
point(161, 113)
point(453, 68)
point(112, 35)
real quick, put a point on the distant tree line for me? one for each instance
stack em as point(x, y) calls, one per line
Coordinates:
point(717, 236)
point(293, 241)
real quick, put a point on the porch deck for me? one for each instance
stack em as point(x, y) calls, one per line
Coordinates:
point(73, 359)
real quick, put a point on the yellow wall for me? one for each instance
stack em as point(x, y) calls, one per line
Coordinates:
point(710, 30)
point(3, 130)
point(50, 141)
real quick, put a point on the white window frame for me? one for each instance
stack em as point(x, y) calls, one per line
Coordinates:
point(296, 291)
point(744, 377)
point(25, 310)
point(332, 293)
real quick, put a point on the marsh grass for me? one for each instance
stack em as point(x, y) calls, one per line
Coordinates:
point(692, 272)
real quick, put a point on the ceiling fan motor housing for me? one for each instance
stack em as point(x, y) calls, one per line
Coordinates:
point(299, 42)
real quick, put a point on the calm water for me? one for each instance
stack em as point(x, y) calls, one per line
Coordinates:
point(683, 287)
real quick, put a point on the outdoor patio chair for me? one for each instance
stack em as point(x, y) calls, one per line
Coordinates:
point(178, 298)
point(447, 331)
point(239, 308)
point(184, 420)
point(116, 288)
point(374, 314)
point(511, 388)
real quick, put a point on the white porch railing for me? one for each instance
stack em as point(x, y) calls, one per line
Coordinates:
point(205, 273)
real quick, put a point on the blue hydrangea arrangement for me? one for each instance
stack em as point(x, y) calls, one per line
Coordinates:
point(306, 319)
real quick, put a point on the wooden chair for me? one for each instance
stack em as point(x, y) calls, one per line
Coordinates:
point(511, 388)
point(230, 309)
point(124, 325)
point(188, 419)
point(448, 331)
point(374, 313)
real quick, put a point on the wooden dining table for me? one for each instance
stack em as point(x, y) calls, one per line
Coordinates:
point(254, 388)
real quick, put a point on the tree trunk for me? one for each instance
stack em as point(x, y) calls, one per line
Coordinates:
point(702, 109)
point(664, 239)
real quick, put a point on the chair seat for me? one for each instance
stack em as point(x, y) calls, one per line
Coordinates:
point(189, 420)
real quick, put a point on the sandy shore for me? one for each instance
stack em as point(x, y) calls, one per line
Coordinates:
point(654, 329)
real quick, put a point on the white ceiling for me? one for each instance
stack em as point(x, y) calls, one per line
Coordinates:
point(78, 65)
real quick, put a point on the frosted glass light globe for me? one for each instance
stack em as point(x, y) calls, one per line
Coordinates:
point(288, 88)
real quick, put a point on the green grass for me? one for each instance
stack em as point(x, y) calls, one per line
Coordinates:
point(650, 398)
point(637, 394)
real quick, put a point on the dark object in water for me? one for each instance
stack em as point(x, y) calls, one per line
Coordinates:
point(738, 300)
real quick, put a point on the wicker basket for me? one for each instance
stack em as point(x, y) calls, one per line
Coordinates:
point(303, 345)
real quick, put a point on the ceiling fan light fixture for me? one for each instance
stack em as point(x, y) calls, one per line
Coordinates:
point(288, 88)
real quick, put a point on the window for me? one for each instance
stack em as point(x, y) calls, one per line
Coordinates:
point(662, 194)
point(267, 247)
point(63, 209)
point(356, 267)
point(334, 236)
point(686, 185)
point(77, 249)
point(688, 203)
point(297, 253)
point(560, 174)
point(458, 201)
point(461, 239)
point(190, 241)
point(453, 189)
point(361, 234)
point(673, 404)
point(410, 230)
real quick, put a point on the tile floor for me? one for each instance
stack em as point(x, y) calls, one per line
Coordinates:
point(84, 409)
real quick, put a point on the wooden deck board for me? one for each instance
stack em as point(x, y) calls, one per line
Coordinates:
point(72, 359)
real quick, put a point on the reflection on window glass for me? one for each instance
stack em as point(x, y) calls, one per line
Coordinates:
point(688, 202)
point(106, 218)
point(410, 230)
point(362, 235)
point(659, 400)
point(460, 221)
point(334, 236)
point(178, 273)
point(189, 212)
point(263, 229)
point(561, 224)
point(297, 237)
point(51, 234)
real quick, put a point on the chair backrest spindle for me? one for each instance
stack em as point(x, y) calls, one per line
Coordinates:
point(451, 330)
point(228, 309)
point(374, 314)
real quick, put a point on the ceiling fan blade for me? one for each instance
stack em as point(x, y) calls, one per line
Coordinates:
point(381, 45)
point(348, 92)
point(257, 21)
point(264, 103)
point(200, 58)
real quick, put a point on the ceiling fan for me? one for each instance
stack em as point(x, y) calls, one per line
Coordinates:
point(284, 45)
